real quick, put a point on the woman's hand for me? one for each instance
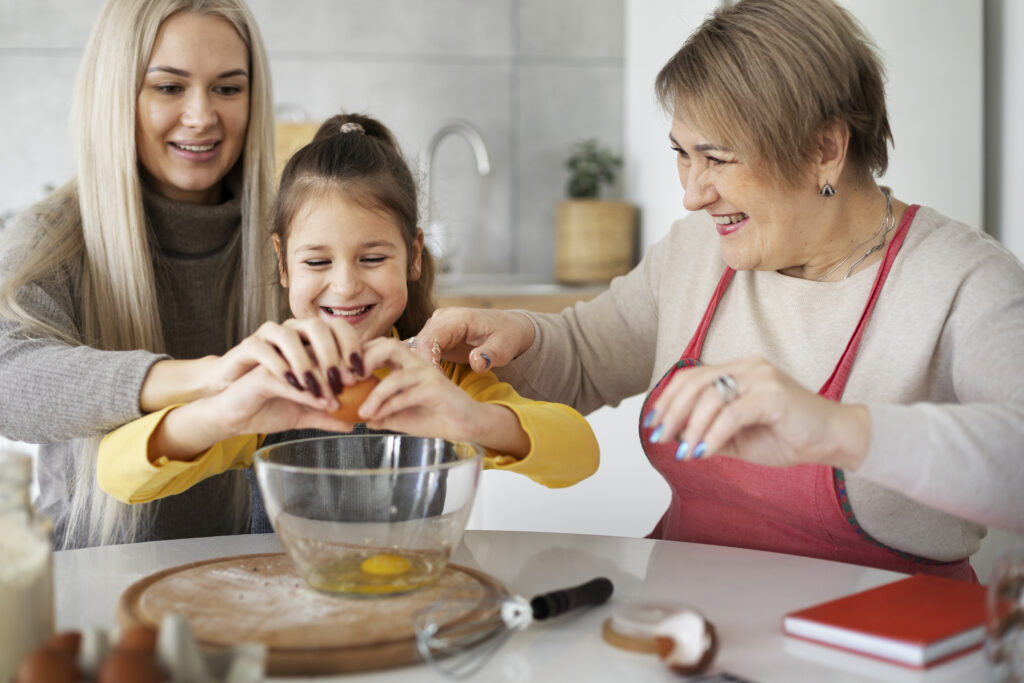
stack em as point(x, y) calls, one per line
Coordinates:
point(258, 402)
point(769, 419)
point(482, 337)
point(417, 398)
point(310, 354)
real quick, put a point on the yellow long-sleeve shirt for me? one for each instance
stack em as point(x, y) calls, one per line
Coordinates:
point(563, 449)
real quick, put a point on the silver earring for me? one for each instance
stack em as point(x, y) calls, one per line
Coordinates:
point(827, 191)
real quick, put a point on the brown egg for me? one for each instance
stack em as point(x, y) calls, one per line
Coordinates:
point(352, 397)
point(126, 666)
point(48, 666)
point(67, 641)
point(138, 638)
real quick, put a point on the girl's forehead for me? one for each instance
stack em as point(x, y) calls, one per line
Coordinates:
point(333, 220)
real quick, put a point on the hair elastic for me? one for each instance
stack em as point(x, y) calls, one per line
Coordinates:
point(351, 127)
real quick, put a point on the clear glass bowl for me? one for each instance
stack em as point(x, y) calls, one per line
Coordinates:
point(373, 514)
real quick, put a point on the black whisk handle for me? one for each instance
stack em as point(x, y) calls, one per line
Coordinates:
point(593, 592)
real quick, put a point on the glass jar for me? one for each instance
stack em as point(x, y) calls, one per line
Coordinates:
point(26, 566)
point(1004, 642)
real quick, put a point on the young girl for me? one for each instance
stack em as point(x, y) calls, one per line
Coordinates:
point(358, 279)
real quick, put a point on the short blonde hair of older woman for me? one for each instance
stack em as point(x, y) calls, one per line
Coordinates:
point(762, 77)
point(97, 220)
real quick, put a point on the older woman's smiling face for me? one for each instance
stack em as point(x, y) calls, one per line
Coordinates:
point(762, 225)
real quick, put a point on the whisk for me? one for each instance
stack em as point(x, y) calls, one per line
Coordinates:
point(458, 643)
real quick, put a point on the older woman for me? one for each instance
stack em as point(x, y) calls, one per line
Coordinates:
point(855, 357)
point(154, 250)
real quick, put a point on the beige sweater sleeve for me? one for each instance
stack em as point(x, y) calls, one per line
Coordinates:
point(964, 455)
point(597, 352)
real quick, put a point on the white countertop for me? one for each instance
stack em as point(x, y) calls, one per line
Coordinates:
point(743, 592)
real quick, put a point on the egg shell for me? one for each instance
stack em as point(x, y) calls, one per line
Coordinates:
point(47, 665)
point(127, 666)
point(138, 638)
point(671, 650)
point(352, 397)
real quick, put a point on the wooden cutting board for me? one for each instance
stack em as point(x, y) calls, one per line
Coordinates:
point(260, 598)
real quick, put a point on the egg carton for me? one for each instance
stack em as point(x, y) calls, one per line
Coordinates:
point(180, 657)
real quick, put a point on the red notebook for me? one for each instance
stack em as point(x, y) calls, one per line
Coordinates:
point(917, 622)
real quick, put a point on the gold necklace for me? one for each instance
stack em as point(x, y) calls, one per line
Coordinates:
point(887, 224)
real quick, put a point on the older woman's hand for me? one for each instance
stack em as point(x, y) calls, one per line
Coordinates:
point(764, 417)
point(417, 398)
point(482, 337)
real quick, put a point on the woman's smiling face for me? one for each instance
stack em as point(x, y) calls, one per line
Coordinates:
point(762, 224)
point(193, 108)
point(345, 261)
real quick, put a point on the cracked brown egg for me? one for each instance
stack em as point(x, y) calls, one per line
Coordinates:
point(352, 397)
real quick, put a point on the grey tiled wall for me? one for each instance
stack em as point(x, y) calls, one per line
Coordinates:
point(533, 76)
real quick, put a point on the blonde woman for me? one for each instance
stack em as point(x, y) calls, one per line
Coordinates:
point(155, 250)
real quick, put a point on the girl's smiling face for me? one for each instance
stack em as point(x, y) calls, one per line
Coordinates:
point(345, 261)
point(762, 224)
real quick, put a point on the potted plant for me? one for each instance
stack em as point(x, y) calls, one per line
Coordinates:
point(595, 238)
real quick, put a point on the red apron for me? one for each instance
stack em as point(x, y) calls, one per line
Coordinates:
point(800, 510)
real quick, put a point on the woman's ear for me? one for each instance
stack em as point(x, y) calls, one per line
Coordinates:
point(416, 257)
point(833, 145)
point(282, 271)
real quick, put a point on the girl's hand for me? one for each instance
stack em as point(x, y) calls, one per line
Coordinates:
point(483, 338)
point(309, 354)
point(770, 419)
point(417, 398)
point(258, 402)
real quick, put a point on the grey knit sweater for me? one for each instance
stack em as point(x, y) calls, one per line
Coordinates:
point(54, 394)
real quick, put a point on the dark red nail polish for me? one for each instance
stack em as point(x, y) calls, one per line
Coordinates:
point(293, 380)
point(357, 364)
point(334, 377)
point(313, 385)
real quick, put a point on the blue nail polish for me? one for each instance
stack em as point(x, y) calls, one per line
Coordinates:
point(487, 361)
point(648, 419)
point(656, 434)
point(699, 450)
point(681, 451)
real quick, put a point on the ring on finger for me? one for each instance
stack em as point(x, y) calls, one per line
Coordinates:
point(726, 387)
point(412, 342)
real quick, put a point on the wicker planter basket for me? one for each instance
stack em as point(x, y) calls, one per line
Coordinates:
point(595, 240)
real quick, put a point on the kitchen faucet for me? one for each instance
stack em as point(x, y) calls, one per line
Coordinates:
point(435, 229)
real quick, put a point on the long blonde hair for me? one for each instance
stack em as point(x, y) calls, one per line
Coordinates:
point(94, 227)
